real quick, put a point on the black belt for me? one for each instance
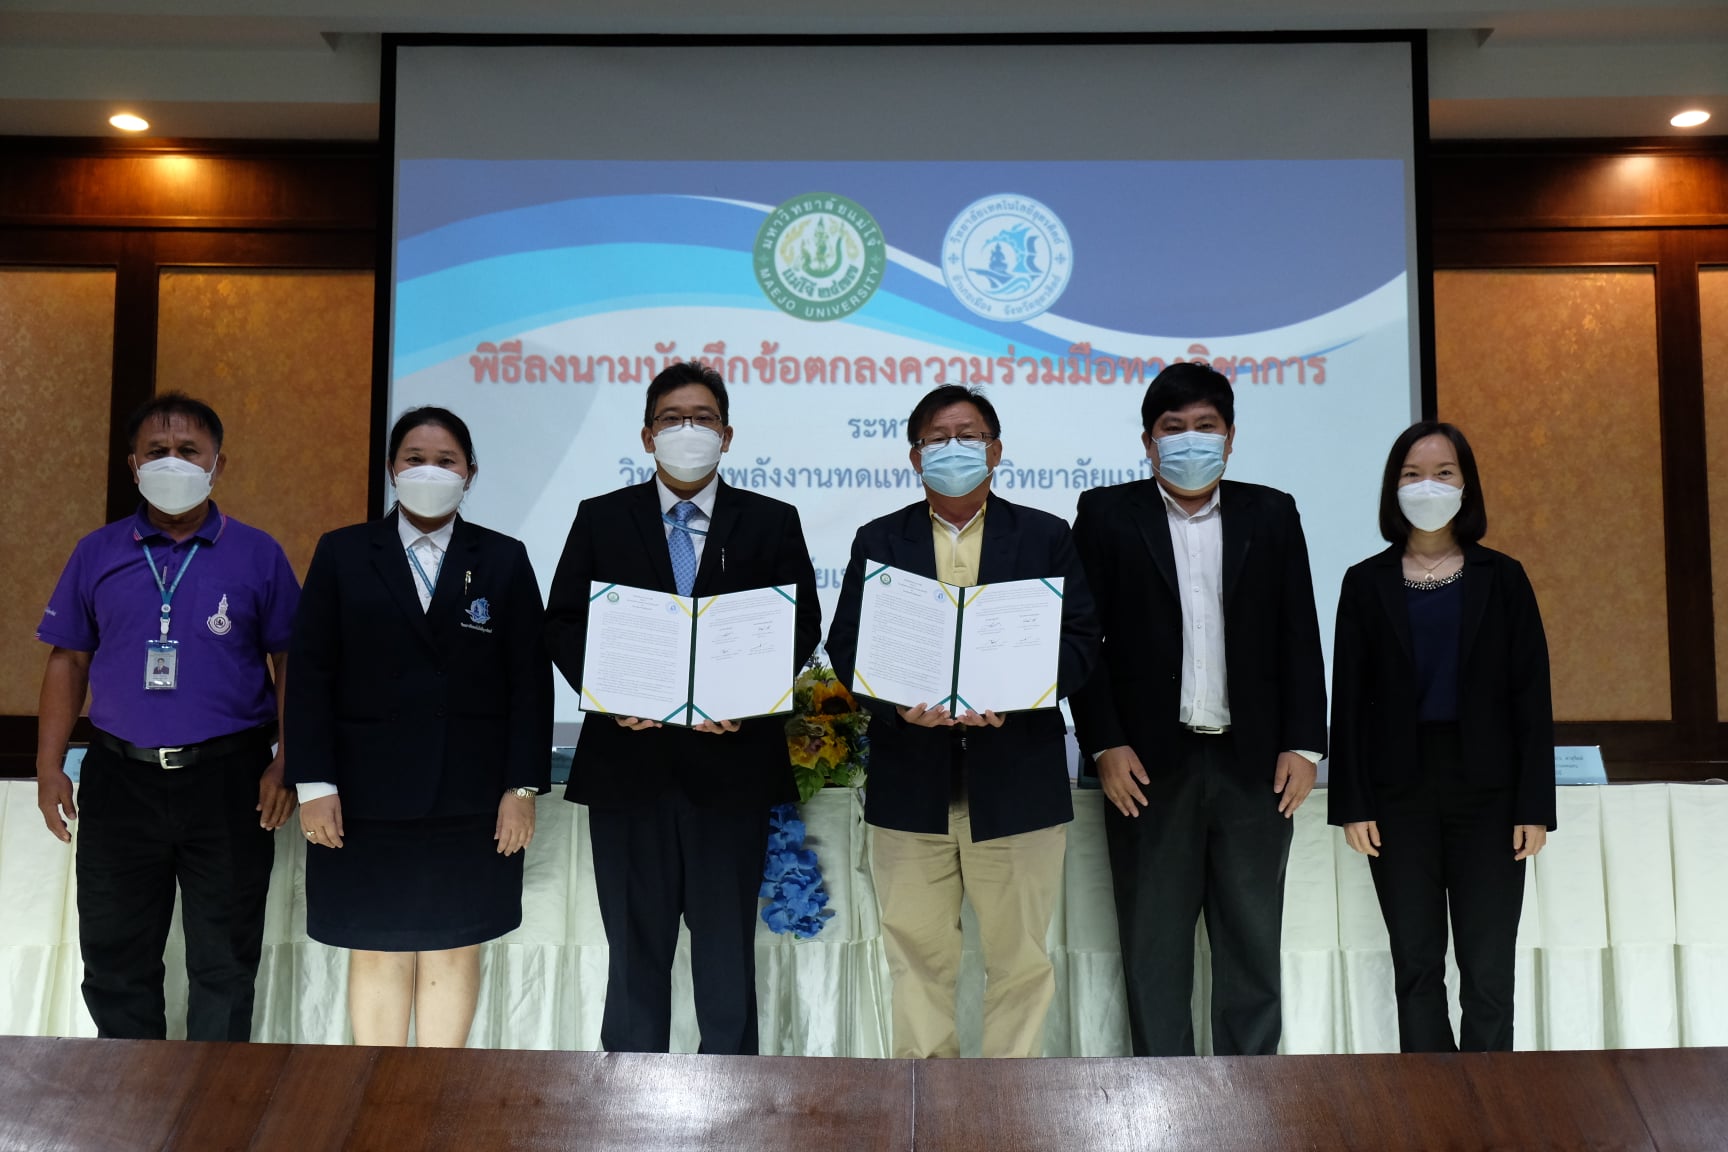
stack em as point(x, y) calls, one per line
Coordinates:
point(189, 754)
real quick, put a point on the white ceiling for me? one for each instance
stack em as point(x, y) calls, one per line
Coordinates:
point(309, 69)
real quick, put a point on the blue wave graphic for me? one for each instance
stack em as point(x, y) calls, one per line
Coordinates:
point(500, 298)
point(1171, 246)
point(671, 228)
point(669, 220)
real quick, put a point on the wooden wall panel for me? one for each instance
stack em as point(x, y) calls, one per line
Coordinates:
point(285, 358)
point(1713, 324)
point(56, 351)
point(1552, 374)
point(169, 184)
point(1525, 184)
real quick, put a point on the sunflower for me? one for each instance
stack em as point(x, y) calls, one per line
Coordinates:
point(830, 698)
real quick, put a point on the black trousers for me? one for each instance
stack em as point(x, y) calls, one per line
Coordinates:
point(654, 862)
point(1442, 845)
point(142, 831)
point(1210, 840)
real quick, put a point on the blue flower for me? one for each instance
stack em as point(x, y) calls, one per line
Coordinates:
point(792, 878)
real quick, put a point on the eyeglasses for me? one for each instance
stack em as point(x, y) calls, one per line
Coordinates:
point(935, 443)
point(668, 422)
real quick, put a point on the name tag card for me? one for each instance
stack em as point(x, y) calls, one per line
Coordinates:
point(1579, 765)
point(161, 665)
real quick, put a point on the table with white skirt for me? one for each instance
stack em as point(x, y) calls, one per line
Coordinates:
point(1623, 942)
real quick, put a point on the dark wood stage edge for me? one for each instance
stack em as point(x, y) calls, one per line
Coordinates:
point(78, 1095)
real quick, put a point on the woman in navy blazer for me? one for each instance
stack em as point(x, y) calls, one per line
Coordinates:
point(1442, 754)
point(420, 715)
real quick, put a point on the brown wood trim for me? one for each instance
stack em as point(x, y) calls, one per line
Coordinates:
point(1712, 248)
point(134, 378)
point(1685, 481)
point(59, 250)
point(1582, 146)
point(1546, 249)
point(1501, 188)
point(345, 250)
point(168, 188)
point(110, 146)
point(343, 223)
point(1585, 223)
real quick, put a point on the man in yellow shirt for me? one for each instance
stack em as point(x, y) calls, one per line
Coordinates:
point(967, 805)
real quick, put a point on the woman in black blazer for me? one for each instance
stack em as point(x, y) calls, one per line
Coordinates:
point(1442, 754)
point(420, 718)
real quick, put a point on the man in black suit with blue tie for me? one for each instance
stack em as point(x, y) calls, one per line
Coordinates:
point(679, 816)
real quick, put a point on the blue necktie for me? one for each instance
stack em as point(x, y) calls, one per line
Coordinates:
point(682, 550)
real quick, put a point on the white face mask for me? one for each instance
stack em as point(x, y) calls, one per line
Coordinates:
point(1430, 504)
point(172, 485)
point(429, 491)
point(688, 452)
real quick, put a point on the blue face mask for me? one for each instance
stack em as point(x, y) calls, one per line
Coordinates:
point(1191, 461)
point(956, 468)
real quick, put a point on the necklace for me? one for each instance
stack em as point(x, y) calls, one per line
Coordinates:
point(1428, 569)
point(1432, 585)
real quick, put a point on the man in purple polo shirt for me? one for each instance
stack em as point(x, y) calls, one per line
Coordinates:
point(176, 620)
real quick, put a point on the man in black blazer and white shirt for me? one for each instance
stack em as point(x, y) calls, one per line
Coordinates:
point(679, 816)
point(968, 805)
point(1207, 719)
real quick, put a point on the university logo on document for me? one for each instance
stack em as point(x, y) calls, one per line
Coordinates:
point(820, 256)
point(1007, 257)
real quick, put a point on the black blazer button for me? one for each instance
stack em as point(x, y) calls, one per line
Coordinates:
point(440, 712)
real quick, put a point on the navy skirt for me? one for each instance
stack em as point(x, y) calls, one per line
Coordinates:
point(413, 885)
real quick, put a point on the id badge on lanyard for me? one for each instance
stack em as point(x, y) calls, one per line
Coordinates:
point(161, 665)
point(162, 655)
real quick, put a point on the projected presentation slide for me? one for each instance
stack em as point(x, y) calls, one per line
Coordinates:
point(834, 264)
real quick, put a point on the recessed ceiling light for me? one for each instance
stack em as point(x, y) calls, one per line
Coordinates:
point(1690, 119)
point(127, 122)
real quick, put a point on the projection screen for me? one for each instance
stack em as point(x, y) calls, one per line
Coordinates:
point(840, 227)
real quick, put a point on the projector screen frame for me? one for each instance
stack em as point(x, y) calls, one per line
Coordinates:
point(384, 289)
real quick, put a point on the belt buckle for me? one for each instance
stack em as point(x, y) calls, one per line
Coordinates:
point(1207, 729)
point(162, 755)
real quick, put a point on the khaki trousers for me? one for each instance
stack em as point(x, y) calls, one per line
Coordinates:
point(1012, 883)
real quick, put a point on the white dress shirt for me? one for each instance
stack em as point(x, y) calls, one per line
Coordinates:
point(1198, 543)
point(428, 548)
point(699, 519)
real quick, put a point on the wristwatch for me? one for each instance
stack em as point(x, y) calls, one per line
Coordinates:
point(524, 793)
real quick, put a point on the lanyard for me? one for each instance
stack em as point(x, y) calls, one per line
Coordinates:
point(432, 584)
point(167, 591)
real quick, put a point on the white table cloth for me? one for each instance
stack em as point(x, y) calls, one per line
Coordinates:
point(1624, 940)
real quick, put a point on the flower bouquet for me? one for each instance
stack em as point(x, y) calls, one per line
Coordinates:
point(828, 746)
point(826, 735)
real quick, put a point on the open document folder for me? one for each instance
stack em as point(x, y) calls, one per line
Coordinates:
point(686, 659)
point(991, 647)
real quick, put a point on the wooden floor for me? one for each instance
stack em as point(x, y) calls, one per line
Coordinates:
point(73, 1095)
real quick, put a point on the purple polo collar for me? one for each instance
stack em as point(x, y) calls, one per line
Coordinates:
point(143, 530)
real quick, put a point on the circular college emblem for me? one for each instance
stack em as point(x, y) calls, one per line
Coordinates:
point(611, 597)
point(1007, 257)
point(819, 257)
point(887, 579)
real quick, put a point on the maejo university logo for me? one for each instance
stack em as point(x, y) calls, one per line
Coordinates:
point(820, 256)
point(1007, 257)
